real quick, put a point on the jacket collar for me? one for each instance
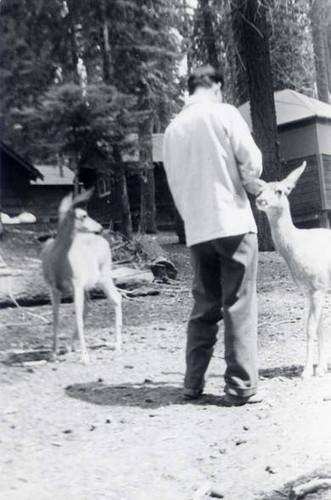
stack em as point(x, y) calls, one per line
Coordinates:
point(201, 97)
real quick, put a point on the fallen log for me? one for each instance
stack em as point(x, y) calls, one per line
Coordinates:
point(156, 257)
point(312, 486)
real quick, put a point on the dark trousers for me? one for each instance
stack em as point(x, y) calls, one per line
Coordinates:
point(224, 287)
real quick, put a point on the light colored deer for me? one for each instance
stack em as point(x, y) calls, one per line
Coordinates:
point(79, 259)
point(307, 252)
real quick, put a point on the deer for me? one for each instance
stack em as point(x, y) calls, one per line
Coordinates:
point(77, 260)
point(307, 253)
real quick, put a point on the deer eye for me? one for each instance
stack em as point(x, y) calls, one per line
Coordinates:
point(279, 192)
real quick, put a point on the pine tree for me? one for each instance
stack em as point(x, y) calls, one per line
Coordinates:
point(254, 39)
point(27, 62)
point(145, 57)
point(291, 48)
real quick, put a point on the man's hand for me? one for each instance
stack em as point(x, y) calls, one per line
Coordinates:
point(254, 186)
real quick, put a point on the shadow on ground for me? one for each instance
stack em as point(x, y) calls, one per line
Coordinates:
point(147, 395)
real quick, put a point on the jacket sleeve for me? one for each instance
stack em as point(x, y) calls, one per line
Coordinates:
point(247, 153)
point(170, 154)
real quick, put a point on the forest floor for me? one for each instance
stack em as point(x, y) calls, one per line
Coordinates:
point(118, 428)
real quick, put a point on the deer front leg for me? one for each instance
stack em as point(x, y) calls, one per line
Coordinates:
point(55, 300)
point(115, 297)
point(79, 309)
point(314, 315)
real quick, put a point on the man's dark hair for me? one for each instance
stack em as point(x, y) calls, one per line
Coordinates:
point(204, 76)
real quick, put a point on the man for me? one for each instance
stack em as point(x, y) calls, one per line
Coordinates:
point(211, 161)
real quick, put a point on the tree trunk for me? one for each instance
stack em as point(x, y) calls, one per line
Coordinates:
point(236, 58)
point(120, 174)
point(208, 33)
point(73, 41)
point(1, 226)
point(255, 43)
point(318, 27)
point(187, 31)
point(147, 222)
point(76, 183)
point(328, 52)
point(105, 45)
point(126, 221)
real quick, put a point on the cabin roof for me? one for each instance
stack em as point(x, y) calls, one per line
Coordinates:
point(11, 155)
point(291, 106)
point(53, 175)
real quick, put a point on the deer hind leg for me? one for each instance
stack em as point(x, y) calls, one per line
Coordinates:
point(322, 365)
point(75, 335)
point(314, 316)
point(79, 309)
point(55, 300)
point(115, 297)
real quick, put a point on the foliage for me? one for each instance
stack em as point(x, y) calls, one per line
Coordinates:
point(80, 126)
point(291, 46)
point(145, 57)
point(290, 40)
point(26, 55)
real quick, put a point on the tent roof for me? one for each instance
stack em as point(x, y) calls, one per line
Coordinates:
point(291, 106)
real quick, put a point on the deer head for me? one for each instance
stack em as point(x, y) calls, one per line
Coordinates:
point(69, 210)
point(273, 196)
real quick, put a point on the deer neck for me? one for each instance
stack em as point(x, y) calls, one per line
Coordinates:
point(66, 234)
point(282, 229)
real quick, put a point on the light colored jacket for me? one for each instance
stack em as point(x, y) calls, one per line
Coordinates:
point(209, 155)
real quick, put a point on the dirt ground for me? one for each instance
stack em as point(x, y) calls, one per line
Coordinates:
point(118, 429)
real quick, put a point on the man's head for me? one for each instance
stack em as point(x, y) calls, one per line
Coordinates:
point(205, 77)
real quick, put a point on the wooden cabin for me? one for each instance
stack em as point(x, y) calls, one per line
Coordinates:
point(105, 205)
point(44, 195)
point(304, 128)
point(15, 176)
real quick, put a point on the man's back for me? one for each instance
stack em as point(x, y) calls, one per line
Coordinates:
point(205, 149)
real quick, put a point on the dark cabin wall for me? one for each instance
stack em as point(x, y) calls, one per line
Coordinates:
point(326, 161)
point(165, 209)
point(106, 209)
point(324, 136)
point(44, 201)
point(14, 186)
point(305, 199)
point(298, 140)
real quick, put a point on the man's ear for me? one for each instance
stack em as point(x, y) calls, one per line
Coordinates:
point(291, 180)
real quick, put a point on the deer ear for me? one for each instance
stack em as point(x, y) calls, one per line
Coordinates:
point(65, 206)
point(83, 197)
point(291, 180)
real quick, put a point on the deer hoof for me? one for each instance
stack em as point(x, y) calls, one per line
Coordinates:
point(85, 358)
point(53, 356)
point(307, 373)
point(320, 370)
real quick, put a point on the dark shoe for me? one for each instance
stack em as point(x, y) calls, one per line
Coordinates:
point(190, 394)
point(231, 400)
